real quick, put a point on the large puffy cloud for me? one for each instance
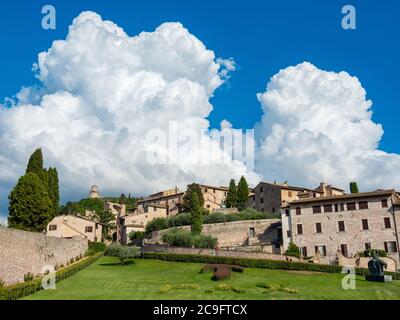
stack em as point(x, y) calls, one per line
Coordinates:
point(102, 94)
point(317, 126)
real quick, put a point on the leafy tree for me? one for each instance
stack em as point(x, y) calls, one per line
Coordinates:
point(197, 223)
point(134, 235)
point(231, 197)
point(122, 199)
point(122, 252)
point(107, 219)
point(293, 250)
point(53, 188)
point(187, 198)
point(242, 193)
point(156, 224)
point(353, 187)
point(30, 207)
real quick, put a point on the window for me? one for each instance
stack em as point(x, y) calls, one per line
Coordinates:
point(205, 190)
point(388, 225)
point(321, 250)
point(287, 212)
point(365, 224)
point(336, 207)
point(97, 226)
point(327, 208)
point(262, 200)
point(213, 190)
point(154, 209)
point(252, 232)
point(362, 205)
point(88, 229)
point(95, 239)
point(316, 209)
point(342, 207)
point(273, 210)
point(368, 246)
point(261, 189)
point(303, 251)
point(288, 234)
point(351, 206)
point(318, 227)
point(341, 226)
point(384, 203)
point(299, 229)
point(343, 249)
point(390, 247)
point(290, 194)
point(52, 227)
point(298, 211)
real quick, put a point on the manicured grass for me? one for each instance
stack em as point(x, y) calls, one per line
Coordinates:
point(106, 279)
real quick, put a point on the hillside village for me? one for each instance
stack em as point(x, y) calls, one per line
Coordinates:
point(326, 224)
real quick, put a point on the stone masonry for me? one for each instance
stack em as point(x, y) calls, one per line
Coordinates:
point(23, 252)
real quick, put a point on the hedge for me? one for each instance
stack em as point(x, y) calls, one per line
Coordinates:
point(21, 290)
point(256, 263)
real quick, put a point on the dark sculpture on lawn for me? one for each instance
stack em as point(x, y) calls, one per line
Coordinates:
point(376, 268)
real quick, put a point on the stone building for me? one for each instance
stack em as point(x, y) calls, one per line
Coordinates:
point(138, 222)
point(347, 223)
point(68, 226)
point(270, 197)
point(170, 199)
point(214, 197)
point(94, 192)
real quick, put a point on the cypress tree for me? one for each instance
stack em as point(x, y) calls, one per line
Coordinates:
point(195, 211)
point(353, 187)
point(188, 199)
point(53, 189)
point(30, 207)
point(242, 193)
point(231, 197)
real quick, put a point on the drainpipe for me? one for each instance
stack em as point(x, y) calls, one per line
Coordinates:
point(395, 226)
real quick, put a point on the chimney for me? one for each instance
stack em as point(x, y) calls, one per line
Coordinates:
point(323, 189)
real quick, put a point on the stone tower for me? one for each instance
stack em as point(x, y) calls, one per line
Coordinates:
point(94, 192)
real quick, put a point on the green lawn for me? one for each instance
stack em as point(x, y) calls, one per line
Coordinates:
point(143, 280)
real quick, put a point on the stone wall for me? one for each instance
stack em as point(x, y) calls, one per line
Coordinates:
point(218, 253)
point(23, 252)
point(238, 233)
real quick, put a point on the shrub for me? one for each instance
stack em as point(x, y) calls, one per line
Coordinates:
point(217, 217)
point(370, 252)
point(183, 219)
point(224, 287)
point(221, 273)
point(28, 277)
point(122, 252)
point(94, 248)
point(274, 288)
point(134, 235)
point(180, 238)
point(156, 224)
point(293, 250)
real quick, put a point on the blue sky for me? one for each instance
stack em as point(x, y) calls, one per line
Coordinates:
point(261, 36)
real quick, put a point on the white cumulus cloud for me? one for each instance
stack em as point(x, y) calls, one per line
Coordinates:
point(101, 94)
point(317, 126)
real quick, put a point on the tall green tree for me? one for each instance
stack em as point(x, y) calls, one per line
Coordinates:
point(231, 197)
point(242, 193)
point(188, 197)
point(30, 207)
point(197, 221)
point(53, 189)
point(353, 187)
point(35, 165)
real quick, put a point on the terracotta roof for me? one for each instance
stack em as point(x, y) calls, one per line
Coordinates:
point(214, 187)
point(346, 196)
point(160, 197)
point(286, 186)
